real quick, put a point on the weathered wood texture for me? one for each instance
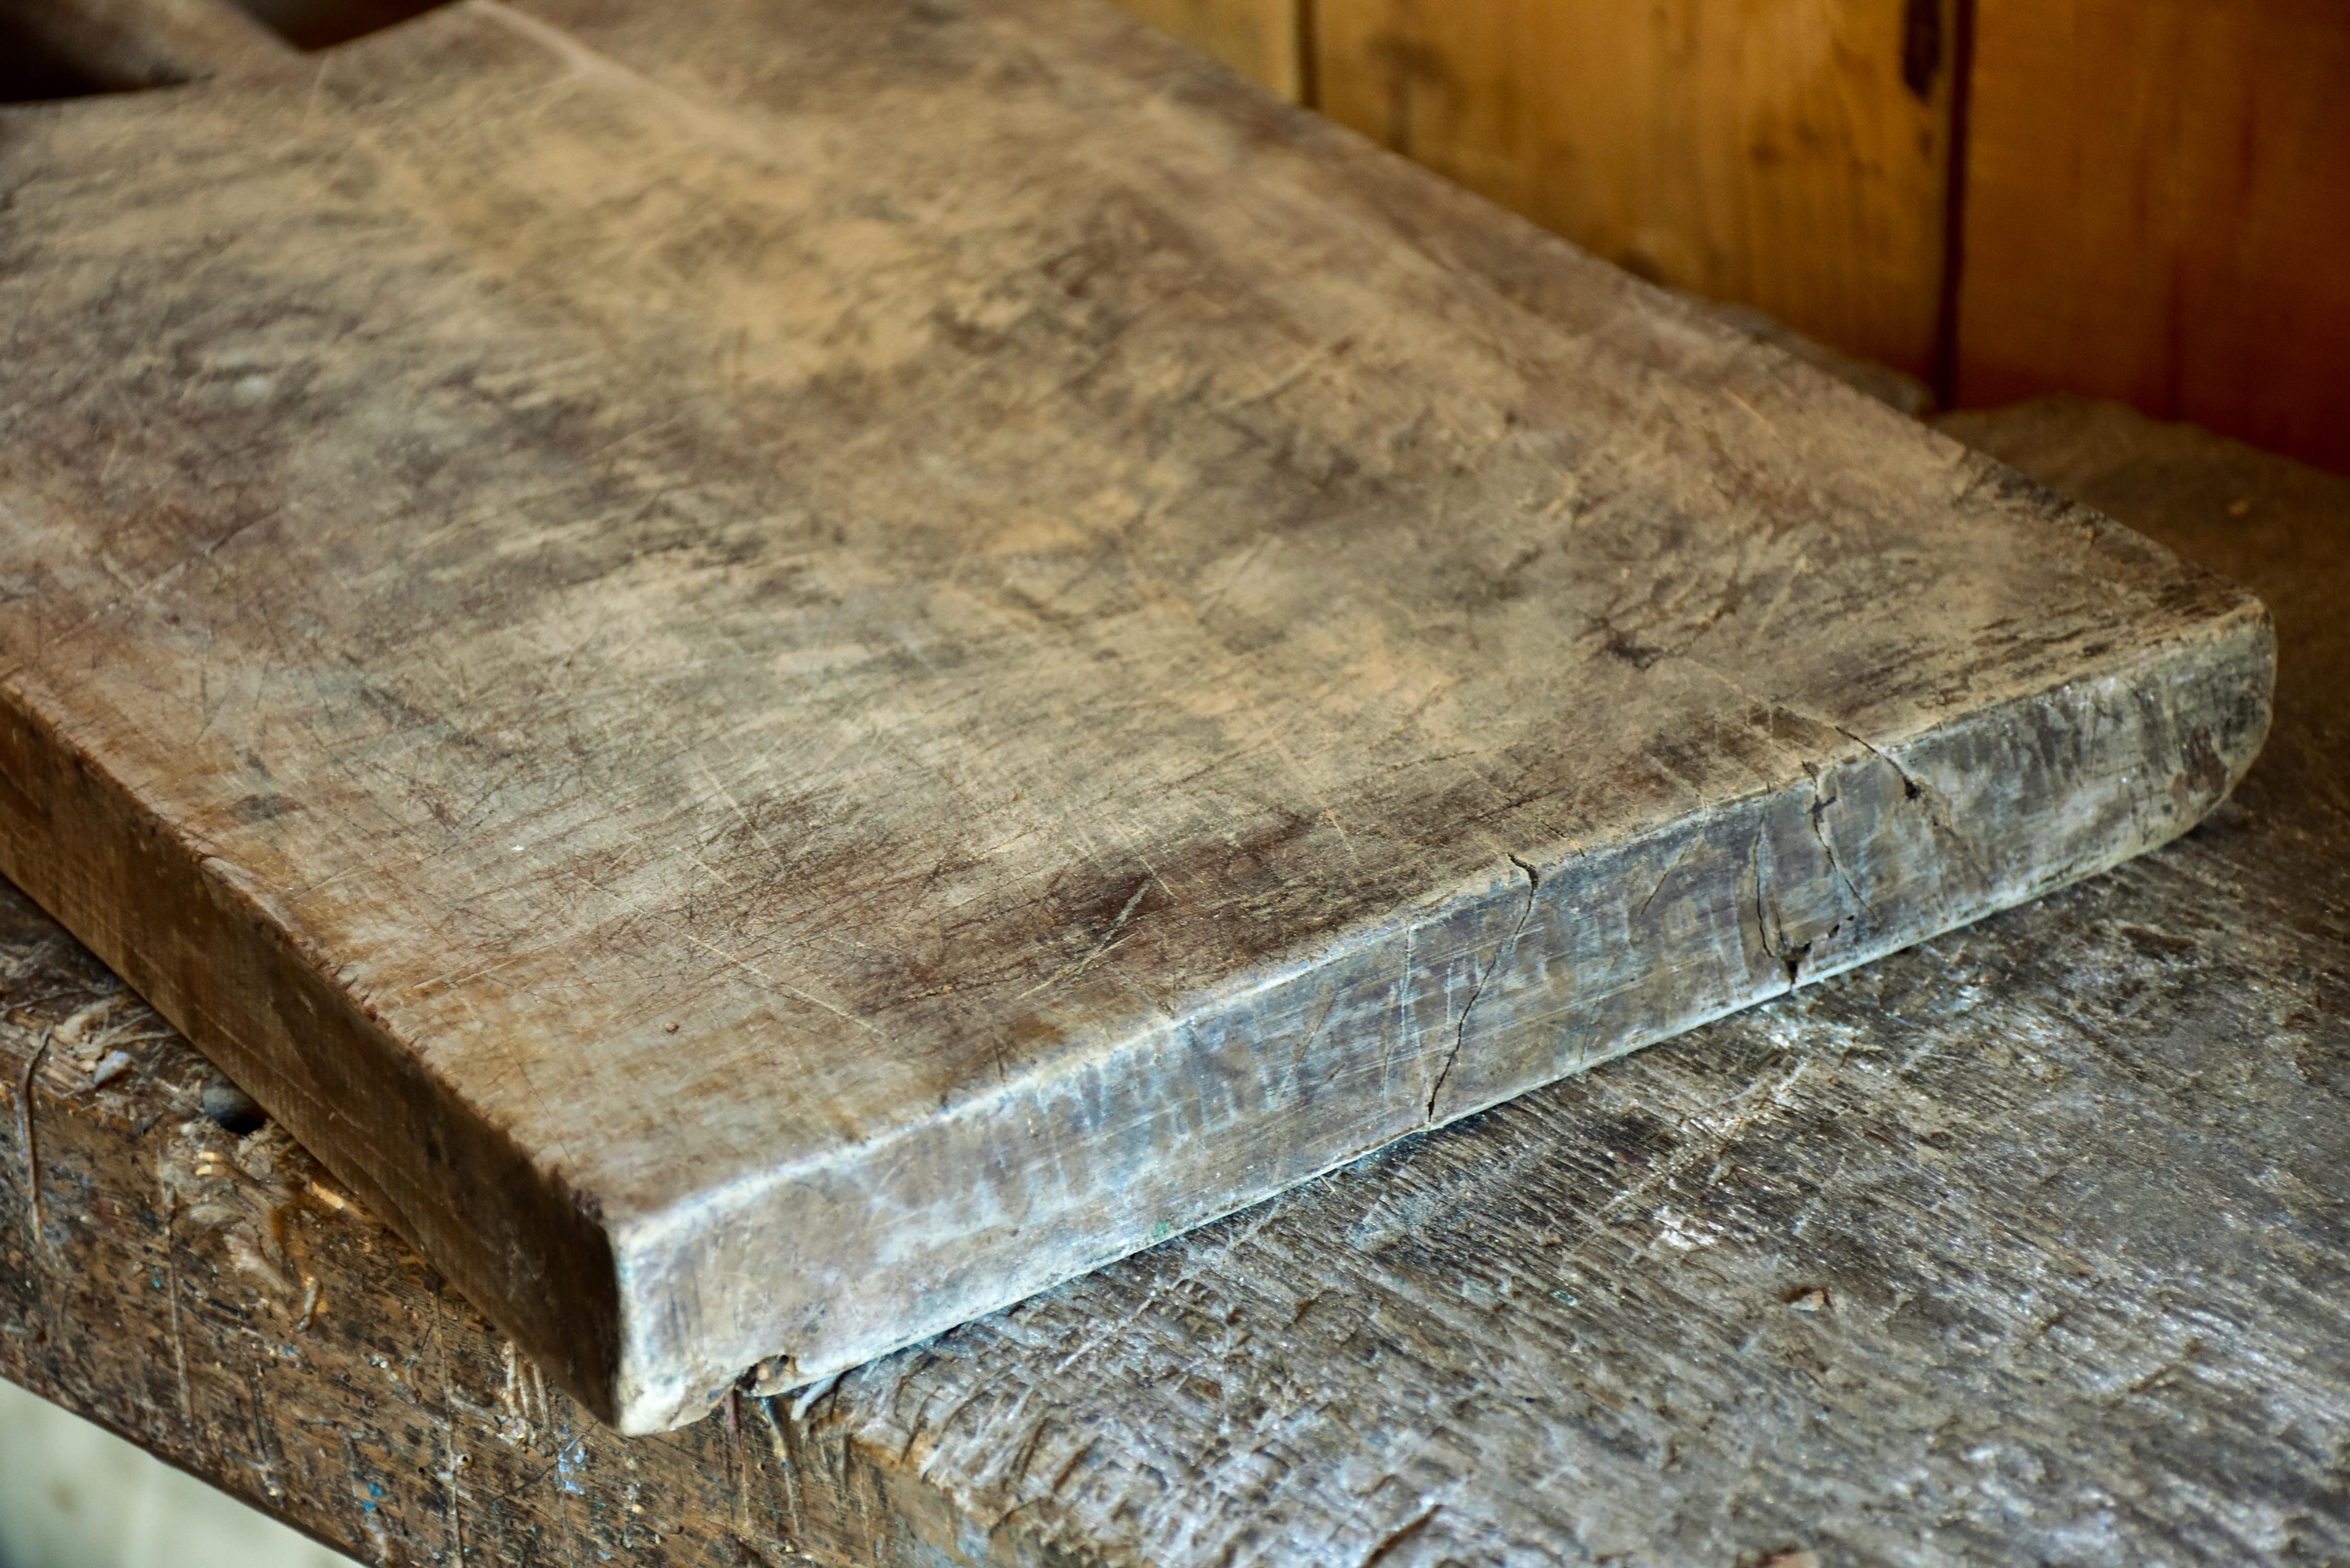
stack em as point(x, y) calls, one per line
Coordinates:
point(2157, 209)
point(1792, 155)
point(1258, 39)
point(772, 728)
point(2025, 1245)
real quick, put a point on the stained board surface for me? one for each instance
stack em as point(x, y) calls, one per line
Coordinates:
point(2031, 1234)
point(784, 673)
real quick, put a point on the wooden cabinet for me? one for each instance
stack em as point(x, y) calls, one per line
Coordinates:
point(2157, 210)
point(1790, 155)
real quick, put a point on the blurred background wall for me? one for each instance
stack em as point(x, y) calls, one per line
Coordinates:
point(2145, 200)
point(75, 1496)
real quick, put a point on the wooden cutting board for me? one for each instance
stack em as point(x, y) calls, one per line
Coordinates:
point(783, 670)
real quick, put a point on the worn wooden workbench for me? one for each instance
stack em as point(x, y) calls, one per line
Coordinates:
point(2030, 1244)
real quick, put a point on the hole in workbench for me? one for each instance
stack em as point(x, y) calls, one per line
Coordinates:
point(31, 72)
point(322, 23)
point(232, 1108)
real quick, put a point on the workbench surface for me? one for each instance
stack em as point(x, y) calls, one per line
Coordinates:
point(2027, 1245)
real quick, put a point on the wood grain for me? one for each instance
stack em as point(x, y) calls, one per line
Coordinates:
point(2157, 206)
point(772, 730)
point(1789, 154)
point(2023, 1245)
point(1258, 39)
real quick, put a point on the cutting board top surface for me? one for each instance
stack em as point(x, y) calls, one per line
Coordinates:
point(744, 587)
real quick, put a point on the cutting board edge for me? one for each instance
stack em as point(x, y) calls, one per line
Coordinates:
point(2225, 666)
point(318, 1051)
